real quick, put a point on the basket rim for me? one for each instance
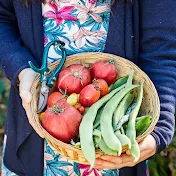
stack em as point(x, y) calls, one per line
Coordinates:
point(96, 54)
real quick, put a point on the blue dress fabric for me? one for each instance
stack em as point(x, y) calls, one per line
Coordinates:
point(143, 32)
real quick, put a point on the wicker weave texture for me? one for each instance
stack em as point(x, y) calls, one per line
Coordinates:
point(150, 104)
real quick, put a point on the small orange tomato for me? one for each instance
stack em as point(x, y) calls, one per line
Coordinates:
point(101, 85)
point(81, 109)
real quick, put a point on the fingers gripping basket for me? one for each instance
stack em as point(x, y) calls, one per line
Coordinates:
point(150, 104)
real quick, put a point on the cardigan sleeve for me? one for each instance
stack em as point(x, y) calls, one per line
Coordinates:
point(158, 60)
point(14, 56)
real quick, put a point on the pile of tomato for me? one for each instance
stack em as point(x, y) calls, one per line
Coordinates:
point(78, 87)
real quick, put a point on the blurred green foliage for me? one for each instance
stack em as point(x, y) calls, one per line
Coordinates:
point(159, 166)
point(4, 91)
point(164, 164)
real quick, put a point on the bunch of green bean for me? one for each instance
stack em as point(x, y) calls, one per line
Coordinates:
point(112, 122)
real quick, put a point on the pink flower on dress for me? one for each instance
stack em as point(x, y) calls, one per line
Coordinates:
point(60, 14)
point(147, 172)
point(83, 35)
point(93, 1)
point(90, 10)
point(3, 173)
point(87, 170)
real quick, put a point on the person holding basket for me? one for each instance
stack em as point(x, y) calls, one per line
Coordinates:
point(141, 31)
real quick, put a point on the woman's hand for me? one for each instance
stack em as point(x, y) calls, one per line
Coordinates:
point(26, 78)
point(147, 149)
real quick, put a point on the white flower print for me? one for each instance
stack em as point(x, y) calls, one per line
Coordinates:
point(90, 10)
point(83, 35)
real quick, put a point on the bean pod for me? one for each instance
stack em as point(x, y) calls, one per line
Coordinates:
point(122, 108)
point(86, 127)
point(124, 140)
point(121, 81)
point(97, 120)
point(131, 131)
point(102, 145)
point(142, 124)
point(106, 120)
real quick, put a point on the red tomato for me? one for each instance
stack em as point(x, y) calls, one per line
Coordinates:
point(54, 97)
point(81, 109)
point(62, 121)
point(74, 78)
point(89, 95)
point(101, 85)
point(104, 70)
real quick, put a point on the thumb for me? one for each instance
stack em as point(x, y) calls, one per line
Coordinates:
point(145, 144)
point(142, 146)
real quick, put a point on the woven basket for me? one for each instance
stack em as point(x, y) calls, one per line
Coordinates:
point(150, 104)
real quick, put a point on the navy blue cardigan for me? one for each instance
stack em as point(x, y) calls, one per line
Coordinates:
point(143, 32)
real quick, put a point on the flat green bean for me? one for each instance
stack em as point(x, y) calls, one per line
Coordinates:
point(138, 120)
point(143, 117)
point(124, 140)
point(102, 145)
point(121, 81)
point(131, 131)
point(97, 119)
point(86, 127)
point(122, 108)
point(106, 120)
point(130, 79)
point(142, 124)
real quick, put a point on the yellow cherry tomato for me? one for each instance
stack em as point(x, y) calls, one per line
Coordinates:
point(72, 99)
point(41, 116)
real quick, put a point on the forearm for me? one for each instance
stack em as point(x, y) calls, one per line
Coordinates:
point(14, 56)
point(158, 60)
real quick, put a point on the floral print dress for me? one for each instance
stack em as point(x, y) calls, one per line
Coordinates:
point(82, 25)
